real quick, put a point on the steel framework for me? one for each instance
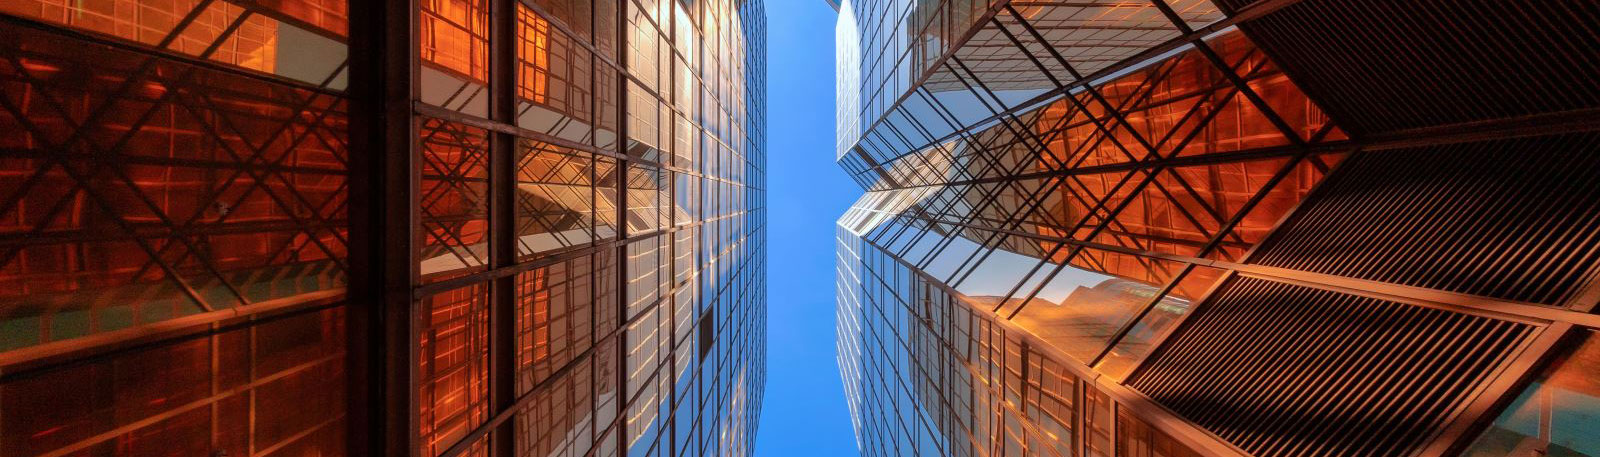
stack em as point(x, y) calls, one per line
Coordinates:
point(440, 228)
point(1150, 198)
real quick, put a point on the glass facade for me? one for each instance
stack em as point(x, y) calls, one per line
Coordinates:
point(1161, 228)
point(213, 242)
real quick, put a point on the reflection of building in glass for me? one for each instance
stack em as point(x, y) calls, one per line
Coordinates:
point(467, 227)
point(1219, 228)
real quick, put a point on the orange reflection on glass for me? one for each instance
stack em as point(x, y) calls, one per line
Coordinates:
point(330, 15)
point(159, 209)
point(1184, 101)
point(453, 198)
point(453, 371)
point(454, 36)
point(279, 385)
point(150, 22)
point(533, 52)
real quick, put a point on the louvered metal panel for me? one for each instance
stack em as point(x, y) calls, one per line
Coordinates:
point(1382, 65)
point(1279, 369)
point(1513, 219)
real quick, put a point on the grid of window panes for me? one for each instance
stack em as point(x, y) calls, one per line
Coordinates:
point(925, 374)
point(173, 168)
point(637, 254)
point(888, 47)
point(1075, 256)
point(173, 225)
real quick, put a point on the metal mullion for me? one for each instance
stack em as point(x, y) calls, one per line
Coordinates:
point(968, 85)
point(37, 232)
point(502, 162)
point(539, 388)
point(1077, 248)
point(343, 188)
point(904, 227)
point(995, 238)
point(923, 129)
point(383, 205)
point(1243, 86)
point(944, 344)
point(912, 171)
point(1003, 119)
point(1089, 88)
point(1210, 245)
point(944, 242)
point(623, 162)
point(1046, 259)
point(908, 224)
point(1249, 12)
point(1147, 89)
point(979, 151)
point(554, 256)
point(1154, 150)
point(1108, 134)
point(1181, 209)
point(904, 137)
point(974, 210)
point(1161, 163)
point(1083, 196)
point(451, 116)
point(138, 74)
point(939, 110)
point(1031, 204)
point(914, 318)
point(1081, 152)
point(441, 228)
point(1216, 216)
point(184, 78)
point(946, 155)
point(1200, 127)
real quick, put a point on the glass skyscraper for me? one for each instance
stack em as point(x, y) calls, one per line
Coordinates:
point(1228, 227)
point(352, 227)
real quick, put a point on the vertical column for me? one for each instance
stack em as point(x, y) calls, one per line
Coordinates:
point(502, 222)
point(621, 249)
point(383, 183)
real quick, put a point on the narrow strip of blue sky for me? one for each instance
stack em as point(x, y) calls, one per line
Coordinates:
point(804, 411)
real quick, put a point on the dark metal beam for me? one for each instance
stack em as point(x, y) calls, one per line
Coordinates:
point(381, 319)
point(502, 382)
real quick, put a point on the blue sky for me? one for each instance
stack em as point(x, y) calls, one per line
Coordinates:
point(804, 412)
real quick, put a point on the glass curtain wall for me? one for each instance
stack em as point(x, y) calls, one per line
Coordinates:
point(587, 199)
point(1165, 228)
